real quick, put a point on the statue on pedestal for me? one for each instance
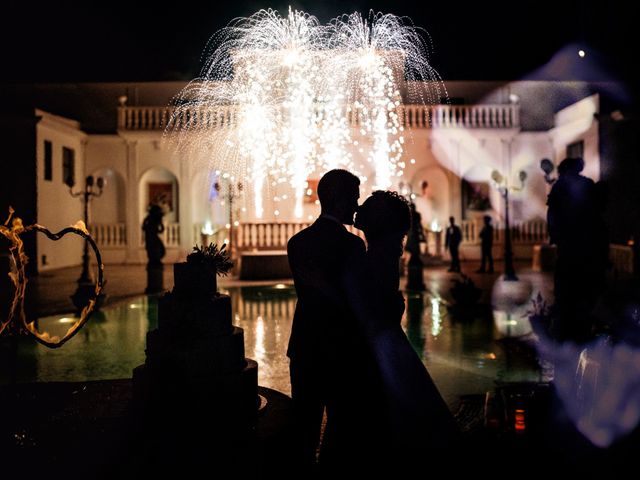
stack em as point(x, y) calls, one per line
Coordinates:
point(153, 227)
point(415, 237)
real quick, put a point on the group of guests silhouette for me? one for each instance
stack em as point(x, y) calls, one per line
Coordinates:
point(453, 239)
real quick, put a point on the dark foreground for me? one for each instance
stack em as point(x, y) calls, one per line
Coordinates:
point(89, 429)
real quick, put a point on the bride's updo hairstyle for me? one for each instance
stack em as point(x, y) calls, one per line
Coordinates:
point(382, 214)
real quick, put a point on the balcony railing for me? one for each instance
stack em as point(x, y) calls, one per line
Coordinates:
point(275, 235)
point(410, 116)
point(170, 237)
point(109, 235)
point(531, 231)
point(266, 236)
point(114, 235)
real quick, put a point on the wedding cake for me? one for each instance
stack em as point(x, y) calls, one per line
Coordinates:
point(195, 358)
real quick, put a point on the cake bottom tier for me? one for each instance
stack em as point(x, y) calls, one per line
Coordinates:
point(219, 402)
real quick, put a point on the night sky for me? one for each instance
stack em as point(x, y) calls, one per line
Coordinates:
point(134, 41)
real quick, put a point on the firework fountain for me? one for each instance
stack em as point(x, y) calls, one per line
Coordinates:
point(282, 99)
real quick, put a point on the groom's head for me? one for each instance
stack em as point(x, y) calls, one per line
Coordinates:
point(338, 192)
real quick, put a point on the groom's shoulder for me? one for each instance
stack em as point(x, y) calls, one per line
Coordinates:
point(304, 236)
point(298, 237)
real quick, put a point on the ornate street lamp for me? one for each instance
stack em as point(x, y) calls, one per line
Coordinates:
point(230, 191)
point(415, 278)
point(547, 167)
point(502, 184)
point(86, 285)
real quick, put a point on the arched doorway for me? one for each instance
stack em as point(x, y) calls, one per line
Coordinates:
point(478, 198)
point(209, 214)
point(159, 185)
point(432, 189)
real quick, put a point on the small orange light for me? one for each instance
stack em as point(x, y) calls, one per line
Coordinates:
point(519, 421)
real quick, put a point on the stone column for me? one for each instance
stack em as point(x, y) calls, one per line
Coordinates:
point(133, 221)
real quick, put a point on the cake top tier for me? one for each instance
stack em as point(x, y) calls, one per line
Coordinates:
point(198, 273)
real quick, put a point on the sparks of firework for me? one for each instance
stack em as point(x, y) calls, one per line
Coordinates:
point(283, 98)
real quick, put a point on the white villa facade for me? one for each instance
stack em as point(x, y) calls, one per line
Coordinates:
point(452, 147)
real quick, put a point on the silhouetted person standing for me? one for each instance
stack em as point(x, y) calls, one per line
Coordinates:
point(323, 342)
point(452, 242)
point(410, 418)
point(576, 226)
point(416, 233)
point(486, 239)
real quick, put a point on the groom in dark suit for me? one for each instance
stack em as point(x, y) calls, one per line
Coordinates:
point(323, 330)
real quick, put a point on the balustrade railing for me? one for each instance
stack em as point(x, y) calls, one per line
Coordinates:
point(170, 236)
point(266, 236)
point(531, 231)
point(465, 116)
point(109, 235)
point(409, 116)
point(275, 235)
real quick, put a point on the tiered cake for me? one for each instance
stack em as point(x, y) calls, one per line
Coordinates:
point(195, 358)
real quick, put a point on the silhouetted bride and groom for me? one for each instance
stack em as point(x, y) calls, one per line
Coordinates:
point(348, 352)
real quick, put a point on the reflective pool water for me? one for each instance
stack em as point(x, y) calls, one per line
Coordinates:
point(464, 357)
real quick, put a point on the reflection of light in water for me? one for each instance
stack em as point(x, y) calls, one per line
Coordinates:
point(66, 320)
point(265, 313)
point(260, 346)
point(436, 320)
point(514, 323)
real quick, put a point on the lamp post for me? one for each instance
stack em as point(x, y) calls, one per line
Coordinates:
point(232, 191)
point(415, 279)
point(547, 167)
point(503, 187)
point(92, 188)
